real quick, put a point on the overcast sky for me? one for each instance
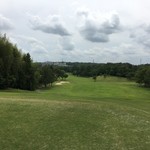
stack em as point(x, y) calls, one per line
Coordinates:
point(79, 30)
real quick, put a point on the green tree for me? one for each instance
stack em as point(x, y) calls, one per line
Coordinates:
point(65, 76)
point(27, 74)
point(6, 58)
point(15, 67)
point(47, 75)
point(143, 76)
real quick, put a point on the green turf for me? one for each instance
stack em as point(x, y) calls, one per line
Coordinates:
point(110, 114)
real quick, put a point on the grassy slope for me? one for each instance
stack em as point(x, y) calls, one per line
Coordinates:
point(111, 113)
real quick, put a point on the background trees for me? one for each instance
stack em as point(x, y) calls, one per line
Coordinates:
point(139, 73)
point(17, 70)
point(94, 69)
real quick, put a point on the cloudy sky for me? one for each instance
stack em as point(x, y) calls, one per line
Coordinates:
point(79, 30)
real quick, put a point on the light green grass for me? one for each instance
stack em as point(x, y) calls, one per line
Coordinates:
point(110, 114)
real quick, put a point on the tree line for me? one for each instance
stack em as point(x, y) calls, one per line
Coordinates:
point(138, 73)
point(17, 69)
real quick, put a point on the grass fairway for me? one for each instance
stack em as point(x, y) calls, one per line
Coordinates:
point(110, 114)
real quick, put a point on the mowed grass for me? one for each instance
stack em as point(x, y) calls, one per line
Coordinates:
point(110, 114)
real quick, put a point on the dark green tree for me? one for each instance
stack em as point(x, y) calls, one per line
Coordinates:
point(15, 67)
point(47, 75)
point(65, 76)
point(6, 58)
point(27, 74)
point(143, 76)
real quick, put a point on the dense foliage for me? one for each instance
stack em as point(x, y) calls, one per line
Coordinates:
point(143, 76)
point(93, 69)
point(17, 70)
point(140, 73)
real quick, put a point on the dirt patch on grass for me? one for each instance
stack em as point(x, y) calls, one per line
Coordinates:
point(62, 82)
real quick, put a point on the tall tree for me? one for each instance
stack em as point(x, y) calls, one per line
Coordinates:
point(47, 75)
point(16, 66)
point(6, 58)
point(26, 74)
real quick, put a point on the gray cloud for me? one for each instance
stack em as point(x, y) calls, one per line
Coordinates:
point(82, 12)
point(111, 25)
point(52, 25)
point(33, 45)
point(141, 35)
point(145, 40)
point(5, 23)
point(39, 49)
point(147, 28)
point(66, 44)
point(96, 27)
point(94, 36)
point(32, 40)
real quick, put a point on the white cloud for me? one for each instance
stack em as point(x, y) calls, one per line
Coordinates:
point(33, 46)
point(84, 12)
point(39, 49)
point(66, 44)
point(97, 27)
point(52, 25)
point(141, 35)
point(5, 23)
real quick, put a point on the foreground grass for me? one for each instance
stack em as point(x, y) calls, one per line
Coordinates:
point(111, 113)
